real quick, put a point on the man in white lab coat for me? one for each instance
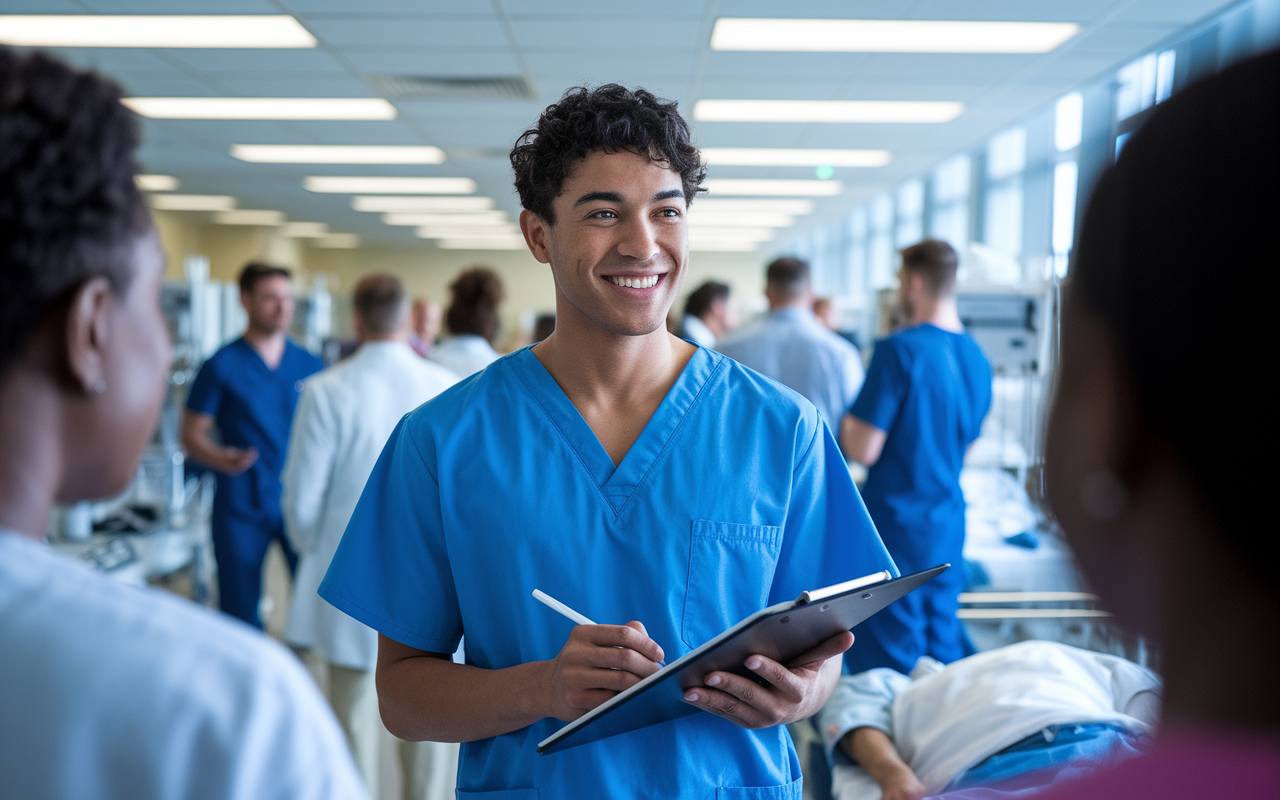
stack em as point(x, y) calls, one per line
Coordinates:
point(344, 418)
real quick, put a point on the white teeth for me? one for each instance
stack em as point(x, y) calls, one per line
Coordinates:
point(647, 282)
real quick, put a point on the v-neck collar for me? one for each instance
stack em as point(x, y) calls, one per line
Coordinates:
point(617, 483)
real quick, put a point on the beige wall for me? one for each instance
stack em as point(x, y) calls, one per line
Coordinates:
point(424, 269)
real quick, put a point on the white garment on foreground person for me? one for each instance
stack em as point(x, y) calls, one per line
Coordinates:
point(949, 719)
point(110, 692)
point(344, 418)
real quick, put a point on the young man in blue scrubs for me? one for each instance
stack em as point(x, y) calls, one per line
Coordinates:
point(926, 392)
point(249, 390)
point(623, 471)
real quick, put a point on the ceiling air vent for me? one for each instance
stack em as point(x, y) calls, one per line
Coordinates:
point(413, 87)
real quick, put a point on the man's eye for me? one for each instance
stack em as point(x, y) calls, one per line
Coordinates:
point(670, 212)
point(603, 214)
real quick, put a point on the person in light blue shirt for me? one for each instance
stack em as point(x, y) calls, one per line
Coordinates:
point(927, 391)
point(249, 390)
point(625, 472)
point(794, 348)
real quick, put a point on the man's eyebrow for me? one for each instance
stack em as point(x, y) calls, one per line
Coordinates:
point(668, 194)
point(591, 197)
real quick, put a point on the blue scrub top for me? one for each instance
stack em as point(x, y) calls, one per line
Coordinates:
point(253, 407)
point(734, 497)
point(929, 389)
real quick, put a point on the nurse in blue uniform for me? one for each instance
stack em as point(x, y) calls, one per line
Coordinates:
point(927, 390)
point(249, 390)
point(632, 475)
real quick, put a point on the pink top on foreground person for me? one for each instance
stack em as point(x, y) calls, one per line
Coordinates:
point(1138, 458)
point(109, 692)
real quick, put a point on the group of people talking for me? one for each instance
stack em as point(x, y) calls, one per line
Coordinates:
point(662, 488)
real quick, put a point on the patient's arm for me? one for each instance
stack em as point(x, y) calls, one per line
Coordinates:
point(874, 751)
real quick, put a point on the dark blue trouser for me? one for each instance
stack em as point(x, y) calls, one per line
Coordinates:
point(240, 546)
point(922, 623)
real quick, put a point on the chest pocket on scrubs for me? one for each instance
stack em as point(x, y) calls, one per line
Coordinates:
point(730, 572)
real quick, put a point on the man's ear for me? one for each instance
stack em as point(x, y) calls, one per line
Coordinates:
point(535, 230)
point(87, 335)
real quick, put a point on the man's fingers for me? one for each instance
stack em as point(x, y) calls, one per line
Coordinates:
point(831, 647)
point(625, 636)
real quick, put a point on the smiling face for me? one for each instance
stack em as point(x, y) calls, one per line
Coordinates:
point(619, 249)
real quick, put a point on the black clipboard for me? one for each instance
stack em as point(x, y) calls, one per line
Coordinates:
point(780, 632)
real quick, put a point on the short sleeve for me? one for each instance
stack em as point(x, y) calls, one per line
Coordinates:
point(828, 537)
point(392, 571)
point(206, 390)
point(884, 389)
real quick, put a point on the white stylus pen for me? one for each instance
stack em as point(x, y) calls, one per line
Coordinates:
point(555, 605)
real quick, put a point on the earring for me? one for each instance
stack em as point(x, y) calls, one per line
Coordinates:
point(1103, 496)
point(100, 386)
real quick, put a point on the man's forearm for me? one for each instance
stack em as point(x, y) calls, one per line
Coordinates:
point(428, 698)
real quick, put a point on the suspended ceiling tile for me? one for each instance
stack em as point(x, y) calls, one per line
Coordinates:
point(658, 9)
point(407, 31)
point(340, 85)
point(368, 7)
point(1010, 10)
point(975, 67)
point(1176, 12)
point(465, 62)
point(115, 61)
point(1122, 40)
point(344, 132)
point(216, 61)
point(816, 9)
point(41, 7)
point(797, 66)
point(173, 85)
point(628, 34)
point(168, 7)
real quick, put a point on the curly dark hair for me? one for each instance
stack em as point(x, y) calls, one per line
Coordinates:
point(477, 291)
point(611, 118)
point(69, 208)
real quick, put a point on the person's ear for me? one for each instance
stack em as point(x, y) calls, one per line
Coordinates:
point(536, 230)
point(88, 334)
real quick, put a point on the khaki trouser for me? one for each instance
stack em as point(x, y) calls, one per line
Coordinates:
point(428, 769)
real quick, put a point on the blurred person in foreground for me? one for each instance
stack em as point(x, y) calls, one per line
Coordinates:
point(1144, 469)
point(109, 692)
point(343, 421)
point(928, 388)
point(472, 320)
point(248, 391)
point(796, 350)
point(425, 319)
point(708, 314)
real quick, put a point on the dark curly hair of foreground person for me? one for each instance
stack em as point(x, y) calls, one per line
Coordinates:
point(611, 118)
point(69, 208)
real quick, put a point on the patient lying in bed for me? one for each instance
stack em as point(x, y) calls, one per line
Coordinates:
point(1021, 716)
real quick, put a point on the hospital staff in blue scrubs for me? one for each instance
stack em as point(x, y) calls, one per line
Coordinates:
point(249, 390)
point(927, 390)
point(623, 471)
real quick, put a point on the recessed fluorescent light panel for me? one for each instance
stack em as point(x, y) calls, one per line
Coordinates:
point(444, 205)
point(336, 154)
point(246, 216)
point(305, 230)
point(722, 247)
point(739, 219)
point(338, 241)
point(888, 35)
point(102, 30)
point(304, 108)
point(481, 244)
point(768, 205)
point(156, 183)
point(192, 202)
point(376, 185)
point(782, 157)
point(489, 218)
point(826, 110)
point(464, 232)
point(774, 188)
